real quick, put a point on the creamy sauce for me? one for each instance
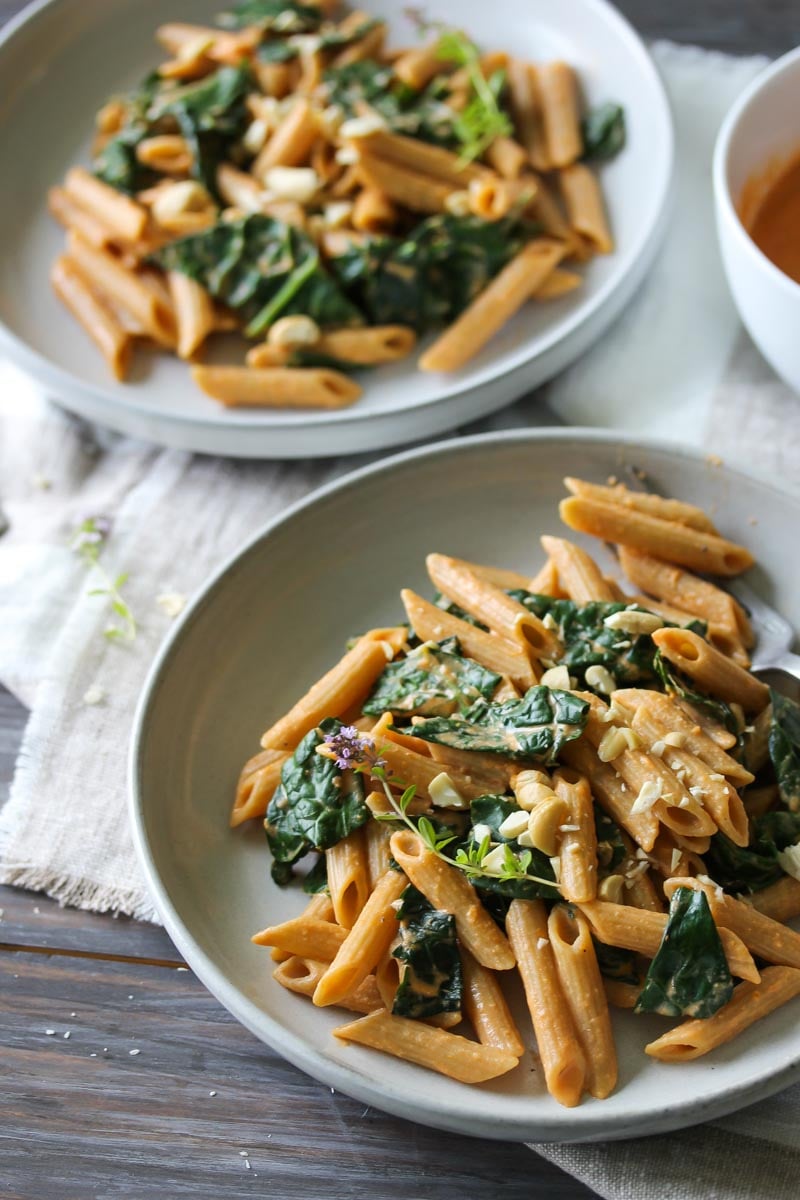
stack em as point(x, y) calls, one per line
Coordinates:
point(775, 224)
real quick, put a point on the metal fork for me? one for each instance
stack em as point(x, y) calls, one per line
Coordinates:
point(773, 660)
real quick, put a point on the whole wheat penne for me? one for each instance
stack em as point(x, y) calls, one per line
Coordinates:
point(584, 204)
point(123, 216)
point(507, 157)
point(419, 770)
point(194, 313)
point(302, 975)
point(490, 773)
point(764, 937)
point(416, 68)
point(417, 1042)
point(666, 539)
point(641, 931)
point(373, 212)
point(432, 623)
point(277, 387)
point(546, 209)
point(365, 944)
point(546, 582)
point(486, 1007)
point(308, 937)
point(612, 793)
point(276, 79)
point(558, 96)
point(376, 845)
point(750, 1002)
point(560, 283)
point(647, 502)
point(578, 849)
point(72, 287)
point(258, 780)
point(495, 305)
point(349, 682)
point(499, 576)
point(168, 153)
point(369, 346)
point(582, 985)
point(490, 605)
point(290, 144)
point(492, 199)
point(368, 46)
point(621, 994)
point(527, 113)
point(419, 156)
point(578, 573)
point(413, 189)
point(319, 908)
point(562, 1058)
point(780, 901)
point(348, 877)
point(711, 670)
point(124, 287)
point(72, 215)
point(446, 888)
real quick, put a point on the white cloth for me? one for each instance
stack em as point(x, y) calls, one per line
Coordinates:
point(676, 363)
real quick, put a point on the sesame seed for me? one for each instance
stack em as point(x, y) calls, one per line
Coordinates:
point(49, 1032)
point(66, 1035)
point(94, 694)
point(73, 1014)
point(93, 1054)
point(132, 1052)
point(130, 997)
point(212, 1093)
point(244, 1153)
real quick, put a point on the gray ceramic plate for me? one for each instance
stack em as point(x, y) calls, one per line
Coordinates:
point(274, 618)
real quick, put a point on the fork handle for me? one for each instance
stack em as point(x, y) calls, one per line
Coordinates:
point(788, 662)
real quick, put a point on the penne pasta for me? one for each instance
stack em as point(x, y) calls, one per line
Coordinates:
point(72, 287)
point(124, 287)
point(578, 573)
point(348, 877)
point(302, 975)
point(415, 190)
point(578, 848)
point(584, 204)
point(711, 670)
point(123, 216)
point(194, 313)
point(258, 780)
point(362, 948)
point(486, 1007)
point(277, 387)
point(558, 96)
point(582, 985)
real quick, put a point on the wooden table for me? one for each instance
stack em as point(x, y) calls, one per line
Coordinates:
point(122, 1077)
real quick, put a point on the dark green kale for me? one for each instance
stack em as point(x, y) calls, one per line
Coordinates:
point(616, 963)
point(535, 727)
point(784, 748)
point(370, 84)
point(433, 680)
point(430, 978)
point(117, 164)
point(492, 811)
point(316, 880)
point(449, 607)
point(315, 806)
point(427, 278)
point(689, 976)
point(262, 268)
point(603, 130)
point(275, 16)
point(611, 849)
point(755, 866)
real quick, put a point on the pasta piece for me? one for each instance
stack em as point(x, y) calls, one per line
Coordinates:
point(74, 291)
point(582, 985)
point(584, 204)
point(118, 212)
point(495, 305)
point(373, 212)
point(258, 780)
point(612, 793)
point(416, 68)
point(493, 199)
point(486, 1008)
point(578, 573)
point(417, 1042)
point(276, 79)
point(490, 773)
point(499, 576)
point(547, 211)
point(71, 215)
point(419, 770)
point(413, 189)
point(168, 153)
point(763, 937)
point(677, 543)
point(560, 283)
point(526, 110)
point(194, 313)
point(363, 947)
point(712, 671)
point(277, 387)
point(558, 95)
point(442, 165)
point(646, 502)
point(432, 623)
point(369, 346)
point(319, 908)
point(376, 843)
point(302, 975)
point(578, 849)
point(369, 46)
point(446, 888)
point(507, 157)
point(780, 901)
point(124, 287)
point(749, 1004)
point(621, 994)
point(490, 605)
point(239, 189)
point(348, 878)
point(348, 683)
point(290, 144)
point(546, 581)
point(556, 1039)
point(308, 937)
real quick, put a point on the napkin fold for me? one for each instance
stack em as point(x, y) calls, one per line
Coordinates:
point(677, 363)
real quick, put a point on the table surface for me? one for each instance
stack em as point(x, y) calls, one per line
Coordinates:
point(203, 1109)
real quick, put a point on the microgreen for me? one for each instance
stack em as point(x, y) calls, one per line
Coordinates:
point(88, 541)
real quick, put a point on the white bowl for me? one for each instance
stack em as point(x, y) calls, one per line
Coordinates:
point(760, 131)
point(272, 620)
point(61, 59)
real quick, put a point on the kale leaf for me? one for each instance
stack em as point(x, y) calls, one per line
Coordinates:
point(116, 164)
point(315, 806)
point(611, 849)
point(689, 976)
point(278, 16)
point(373, 85)
point(616, 963)
point(431, 978)
point(427, 278)
point(753, 867)
point(316, 880)
point(534, 727)
point(603, 130)
point(784, 748)
point(333, 39)
point(433, 680)
point(492, 811)
point(262, 268)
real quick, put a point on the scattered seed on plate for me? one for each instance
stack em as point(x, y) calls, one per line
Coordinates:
point(50, 1032)
point(132, 1052)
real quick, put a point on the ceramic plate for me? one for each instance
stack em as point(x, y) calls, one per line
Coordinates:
point(63, 58)
point(273, 620)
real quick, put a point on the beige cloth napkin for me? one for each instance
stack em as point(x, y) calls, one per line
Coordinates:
point(673, 364)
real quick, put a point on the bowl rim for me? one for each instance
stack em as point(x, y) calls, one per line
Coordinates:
point(65, 383)
point(721, 163)
point(558, 1126)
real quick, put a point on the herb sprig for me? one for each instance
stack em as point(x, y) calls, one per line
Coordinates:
point(88, 541)
point(482, 119)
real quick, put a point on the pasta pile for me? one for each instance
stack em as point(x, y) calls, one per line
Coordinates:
point(288, 176)
point(546, 778)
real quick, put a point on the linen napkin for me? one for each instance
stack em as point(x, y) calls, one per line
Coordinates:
point(676, 363)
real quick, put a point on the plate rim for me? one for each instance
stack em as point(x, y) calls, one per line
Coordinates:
point(558, 1127)
point(71, 391)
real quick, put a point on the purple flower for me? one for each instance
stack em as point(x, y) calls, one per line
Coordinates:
point(91, 533)
point(352, 749)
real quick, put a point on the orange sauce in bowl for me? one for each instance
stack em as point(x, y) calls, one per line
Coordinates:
point(774, 226)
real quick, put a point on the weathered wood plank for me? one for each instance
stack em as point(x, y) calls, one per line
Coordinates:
point(744, 27)
point(145, 1125)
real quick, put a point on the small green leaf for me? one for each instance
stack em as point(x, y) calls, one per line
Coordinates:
point(689, 976)
point(603, 130)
